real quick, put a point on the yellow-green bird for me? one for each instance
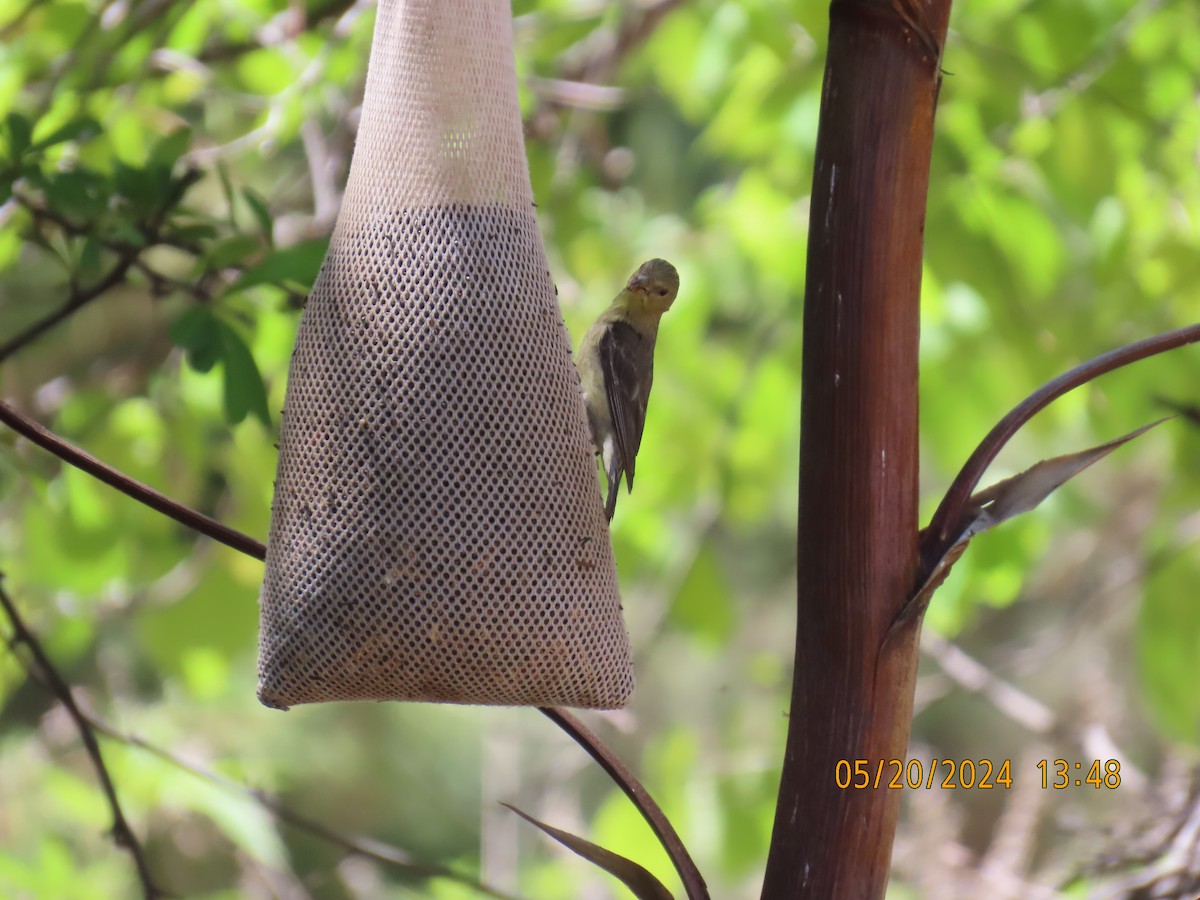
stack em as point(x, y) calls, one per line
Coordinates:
point(615, 360)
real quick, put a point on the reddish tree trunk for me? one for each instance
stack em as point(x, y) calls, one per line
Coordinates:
point(857, 554)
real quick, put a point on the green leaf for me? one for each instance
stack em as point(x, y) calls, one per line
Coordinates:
point(635, 877)
point(244, 388)
point(265, 71)
point(209, 340)
point(213, 615)
point(89, 257)
point(10, 249)
point(198, 331)
point(144, 187)
point(192, 233)
point(703, 605)
point(230, 252)
point(78, 193)
point(18, 133)
point(169, 148)
point(1168, 643)
point(227, 192)
point(1025, 491)
point(32, 172)
point(299, 264)
point(125, 233)
point(262, 214)
point(79, 130)
point(1011, 497)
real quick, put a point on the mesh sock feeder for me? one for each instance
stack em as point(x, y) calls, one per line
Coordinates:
point(437, 531)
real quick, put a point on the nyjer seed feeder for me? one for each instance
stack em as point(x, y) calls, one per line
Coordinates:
point(437, 531)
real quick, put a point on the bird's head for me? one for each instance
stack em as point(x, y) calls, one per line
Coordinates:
point(655, 285)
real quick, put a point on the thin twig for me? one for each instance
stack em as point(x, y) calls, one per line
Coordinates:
point(84, 461)
point(591, 62)
point(123, 835)
point(161, 285)
point(45, 673)
point(367, 848)
point(613, 47)
point(127, 256)
point(88, 229)
point(76, 301)
point(944, 528)
point(693, 881)
point(972, 675)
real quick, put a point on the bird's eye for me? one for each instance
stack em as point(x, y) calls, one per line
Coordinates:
point(662, 292)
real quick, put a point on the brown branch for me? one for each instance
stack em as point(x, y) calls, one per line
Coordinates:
point(88, 229)
point(127, 256)
point(145, 494)
point(123, 835)
point(245, 544)
point(632, 31)
point(944, 527)
point(693, 881)
point(161, 285)
point(689, 874)
point(76, 301)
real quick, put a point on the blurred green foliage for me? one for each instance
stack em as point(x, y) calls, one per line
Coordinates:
point(182, 162)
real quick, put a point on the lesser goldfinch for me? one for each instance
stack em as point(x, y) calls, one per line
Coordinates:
point(615, 360)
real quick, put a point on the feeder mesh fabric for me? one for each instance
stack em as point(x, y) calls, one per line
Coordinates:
point(437, 531)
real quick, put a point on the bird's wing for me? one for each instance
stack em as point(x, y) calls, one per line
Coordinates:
point(626, 358)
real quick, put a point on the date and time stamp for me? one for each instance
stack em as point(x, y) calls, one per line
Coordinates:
point(973, 774)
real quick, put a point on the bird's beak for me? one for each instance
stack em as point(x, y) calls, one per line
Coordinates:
point(637, 283)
